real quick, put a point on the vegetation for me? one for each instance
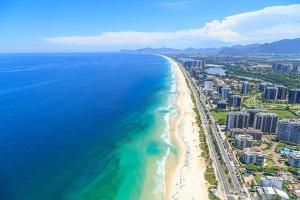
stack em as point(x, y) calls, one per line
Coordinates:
point(271, 169)
point(258, 177)
point(220, 116)
point(284, 114)
point(253, 101)
point(279, 107)
point(292, 80)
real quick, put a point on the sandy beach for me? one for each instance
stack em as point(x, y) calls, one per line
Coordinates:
point(185, 169)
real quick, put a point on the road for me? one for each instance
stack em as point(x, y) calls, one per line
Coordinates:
point(229, 160)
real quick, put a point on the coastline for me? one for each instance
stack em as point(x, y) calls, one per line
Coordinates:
point(184, 169)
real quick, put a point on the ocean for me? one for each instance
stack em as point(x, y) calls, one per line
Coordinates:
point(90, 126)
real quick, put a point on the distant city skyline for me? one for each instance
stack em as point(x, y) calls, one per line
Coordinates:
point(72, 26)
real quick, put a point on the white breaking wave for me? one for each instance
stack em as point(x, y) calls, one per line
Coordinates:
point(171, 109)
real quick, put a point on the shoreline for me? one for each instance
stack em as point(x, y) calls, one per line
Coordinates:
point(184, 171)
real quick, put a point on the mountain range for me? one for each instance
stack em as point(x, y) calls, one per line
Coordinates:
point(286, 46)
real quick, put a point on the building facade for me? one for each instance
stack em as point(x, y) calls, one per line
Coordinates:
point(222, 104)
point(289, 131)
point(262, 87)
point(271, 181)
point(294, 96)
point(266, 122)
point(252, 157)
point(235, 131)
point(214, 95)
point(282, 92)
point(252, 113)
point(294, 159)
point(225, 92)
point(235, 100)
point(245, 87)
point(208, 85)
point(243, 141)
point(256, 134)
point(271, 93)
point(237, 119)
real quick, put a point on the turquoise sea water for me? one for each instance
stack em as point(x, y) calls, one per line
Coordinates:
point(83, 126)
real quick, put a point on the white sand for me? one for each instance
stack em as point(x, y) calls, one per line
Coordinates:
point(185, 176)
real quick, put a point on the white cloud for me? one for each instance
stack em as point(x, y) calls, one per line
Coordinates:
point(265, 25)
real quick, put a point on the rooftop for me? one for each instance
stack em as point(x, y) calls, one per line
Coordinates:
point(291, 121)
point(269, 190)
point(272, 178)
point(253, 152)
point(238, 113)
point(296, 89)
point(243, 137)
point(282, 193)
point(266, 114)
point(295, 154)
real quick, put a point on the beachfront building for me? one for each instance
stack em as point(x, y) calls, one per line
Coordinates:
point(235, 100)
point(237, 119)
point(262, 87)
point(256, 134)
point(282, 92)
point(294, 159)
point(282, 67)
point(225, 92)
point(270, 193)
point(219, 87)
point(266, 122)
point(188, 64)
point(235, 131)
point(214, 95)
point(252, 113)
point(294, 96)
point(252, 157)
point(221, 104)
point(245, 87)
point(208, 85)
point(272, 181)
point(243, 141)
point(271, 93)
point(289, 131)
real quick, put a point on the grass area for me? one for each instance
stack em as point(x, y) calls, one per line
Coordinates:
point(270, 170)
point(258, 177)
point(210, 177)
point(279, 107)
point(253, 101)
point(220, 116)
point(284, 114)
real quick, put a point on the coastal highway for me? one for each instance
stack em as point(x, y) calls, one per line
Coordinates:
point(238, 186)
point(207, 122)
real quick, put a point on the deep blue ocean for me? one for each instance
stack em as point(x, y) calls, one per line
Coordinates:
point(81, 126)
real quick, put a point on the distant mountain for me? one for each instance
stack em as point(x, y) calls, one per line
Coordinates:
point(165, 50)
point(286, 46)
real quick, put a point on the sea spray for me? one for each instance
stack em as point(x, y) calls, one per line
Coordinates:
point(169, 111)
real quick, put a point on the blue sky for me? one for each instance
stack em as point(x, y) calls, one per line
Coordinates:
point(108, 25)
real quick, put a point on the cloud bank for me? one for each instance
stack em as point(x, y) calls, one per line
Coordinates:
point(265, 25)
